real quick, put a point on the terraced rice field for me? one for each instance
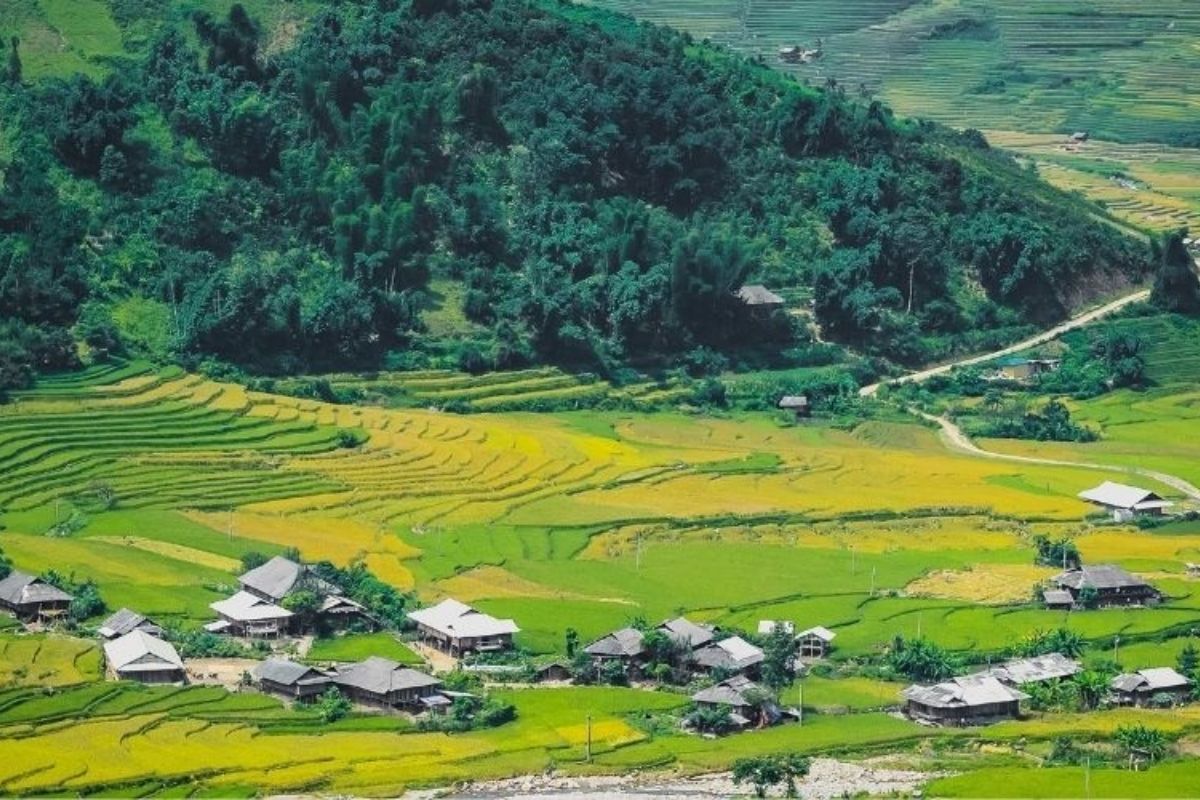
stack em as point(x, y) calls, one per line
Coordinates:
point(582, 519)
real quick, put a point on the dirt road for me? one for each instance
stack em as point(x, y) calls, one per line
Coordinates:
point(1033, 341)
point(956, 439)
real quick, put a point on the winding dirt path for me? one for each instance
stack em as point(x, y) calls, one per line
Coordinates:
point(956, 439)
point(1033, 341)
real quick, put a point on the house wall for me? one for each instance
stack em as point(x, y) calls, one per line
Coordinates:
point(153, 677)
point(963, 716)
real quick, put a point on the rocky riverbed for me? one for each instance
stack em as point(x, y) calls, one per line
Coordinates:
point(828, 779)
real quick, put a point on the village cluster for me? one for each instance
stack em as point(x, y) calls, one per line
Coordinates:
point(726, 666)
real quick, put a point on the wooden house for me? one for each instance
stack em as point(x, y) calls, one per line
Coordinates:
point(458, 629)
point(1108, 585)
point(1146, 687)
point(384, 683)
point(814, 642)
point(138, 656)
point(249, 615)
point(32, 599)
point(968, 700)
point(298, 682)
point(748, 704)
point(625, 645)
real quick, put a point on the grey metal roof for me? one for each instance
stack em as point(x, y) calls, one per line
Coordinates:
point(687, 632)
point(124, 621)
point(1156, 679)
point(793, 401)
point(288, 673)
point(964, 692)
point(21, 588)
point(1099, 576)
point(140, 652)
point(1021, 671)
point(625, 643)
point(274, 578)
point(1057, 597)
point(734, 653)
point(1119, 495)
point(381, 675)
point(730, 692)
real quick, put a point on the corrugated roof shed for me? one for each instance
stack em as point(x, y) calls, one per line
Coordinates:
point(755, 294)
point(382, 675)
point(964, 692)
point(687, 632)
point(1051, 666)
point(1098, 576)
point(245, 607)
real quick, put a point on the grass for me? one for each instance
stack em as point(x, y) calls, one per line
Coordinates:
point(47, 661)
point(356, 647)
point(1174, 779)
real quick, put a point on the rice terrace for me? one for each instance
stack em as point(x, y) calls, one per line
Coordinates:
point(505, 398)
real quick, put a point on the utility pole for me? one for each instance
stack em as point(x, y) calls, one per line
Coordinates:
point(1087, 778)
point(873, 581)
point(1117, 649)
point(800, 720)
point(231, 524)
point(589, 738)
point(918, 624)
point(853, 561)
point(638, 557)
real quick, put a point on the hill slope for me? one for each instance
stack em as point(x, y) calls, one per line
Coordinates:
point(599, 189)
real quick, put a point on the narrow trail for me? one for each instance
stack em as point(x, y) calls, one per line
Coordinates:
point(1033, 341)
point(956, 439)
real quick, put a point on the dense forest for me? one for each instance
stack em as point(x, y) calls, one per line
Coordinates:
point(598, 190)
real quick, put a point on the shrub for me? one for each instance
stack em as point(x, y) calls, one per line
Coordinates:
point(332, 706)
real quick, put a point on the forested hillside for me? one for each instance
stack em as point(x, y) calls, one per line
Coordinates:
point(596, 189)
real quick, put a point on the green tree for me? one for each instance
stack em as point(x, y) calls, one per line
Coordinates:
point(1093, 687)
point(763, 772)
point(779, 658)
point(12, 68)
point(332, 705)
point(922, 660)
point(1140, 740)
point(252, 559)
point(571, 641)
point(1176, 285)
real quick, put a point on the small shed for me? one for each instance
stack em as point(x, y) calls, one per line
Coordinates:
point(797, 404)
point(32, 599)
point(1142, 687)
point(138, 656)
point(760, 298)
point(553, 672)
point(814, 642)
point(968, 700)
point(1125, 502)
point(1058, 599)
